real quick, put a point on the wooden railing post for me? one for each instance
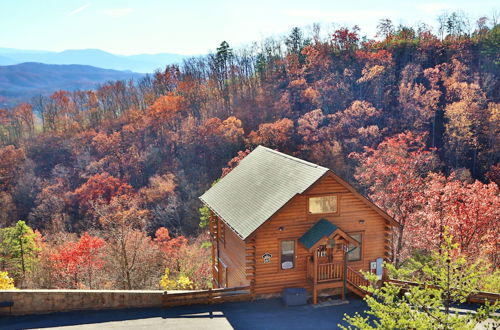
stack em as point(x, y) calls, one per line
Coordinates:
point(315, 258)
point(315, 290)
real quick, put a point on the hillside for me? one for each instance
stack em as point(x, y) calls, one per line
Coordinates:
point(144, 63)
point(411, 119)
point(20, 82)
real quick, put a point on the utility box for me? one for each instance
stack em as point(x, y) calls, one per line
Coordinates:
point(294, 296)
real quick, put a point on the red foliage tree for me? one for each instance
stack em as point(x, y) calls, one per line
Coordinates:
point(234, 162)
point(75, 263)
point(277, 135)
point(470, 212)
point(171, 247)
point(101, 187)
point(394, 174)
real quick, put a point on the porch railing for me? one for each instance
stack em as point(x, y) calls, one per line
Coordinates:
point(330, 271)
point(356, 278)
point(325, 271)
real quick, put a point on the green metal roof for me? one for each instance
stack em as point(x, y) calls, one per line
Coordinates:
point(320, 229)
point(263, 182)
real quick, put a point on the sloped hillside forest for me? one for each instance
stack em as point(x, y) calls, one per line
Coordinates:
point(99, 188)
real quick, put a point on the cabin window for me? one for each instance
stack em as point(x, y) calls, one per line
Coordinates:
point(323, 204)
point(355, 254)
point(287, 254)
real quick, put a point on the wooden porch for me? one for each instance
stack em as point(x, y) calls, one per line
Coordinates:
point(331, 275)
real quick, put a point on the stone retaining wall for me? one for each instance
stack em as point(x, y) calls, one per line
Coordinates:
point(49, 301)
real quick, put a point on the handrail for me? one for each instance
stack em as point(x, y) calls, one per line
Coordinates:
point(475, 297)
point(356, 278)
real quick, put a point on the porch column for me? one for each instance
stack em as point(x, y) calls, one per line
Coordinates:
point(345, 246)
point(315, 276)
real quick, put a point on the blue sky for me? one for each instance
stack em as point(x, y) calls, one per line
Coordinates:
point(197, 26)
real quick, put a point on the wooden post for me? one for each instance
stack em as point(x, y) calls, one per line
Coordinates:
point(345, 247)
point(315, 281)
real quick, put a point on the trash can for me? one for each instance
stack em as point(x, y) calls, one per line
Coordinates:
point(294, 296)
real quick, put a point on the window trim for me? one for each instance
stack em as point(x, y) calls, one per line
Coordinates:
point(361, 254)
point(338, 196)
point(294, 240)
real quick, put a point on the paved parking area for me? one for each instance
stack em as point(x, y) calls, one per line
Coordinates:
point(261, 314)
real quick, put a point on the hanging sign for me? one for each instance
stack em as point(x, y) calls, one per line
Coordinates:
point(267, 257)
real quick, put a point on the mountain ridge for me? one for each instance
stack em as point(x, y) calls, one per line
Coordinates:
point(20, 82)
point(141, 63)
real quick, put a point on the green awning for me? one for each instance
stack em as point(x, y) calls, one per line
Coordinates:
point(320, 229)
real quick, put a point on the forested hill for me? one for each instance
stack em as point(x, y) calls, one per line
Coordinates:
point(20, 82)
point(331, 100)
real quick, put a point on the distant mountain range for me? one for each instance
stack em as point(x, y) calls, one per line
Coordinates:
point(20, 82)
point(144, 63)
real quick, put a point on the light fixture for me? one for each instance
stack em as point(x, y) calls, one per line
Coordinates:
point(361, 222)
point(281, 228)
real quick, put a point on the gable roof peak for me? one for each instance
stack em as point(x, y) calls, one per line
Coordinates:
point(258, 187)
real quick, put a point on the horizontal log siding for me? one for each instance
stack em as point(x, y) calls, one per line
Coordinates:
point(233, 255)
point(293, 217)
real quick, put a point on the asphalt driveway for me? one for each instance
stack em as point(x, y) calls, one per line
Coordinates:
point(260, 314)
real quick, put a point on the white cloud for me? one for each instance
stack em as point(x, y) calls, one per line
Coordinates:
point(117, 12)
point(78, 10)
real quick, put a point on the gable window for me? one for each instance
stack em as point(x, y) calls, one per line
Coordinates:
point(323, 204)
point(355, 254)
point(287, 250)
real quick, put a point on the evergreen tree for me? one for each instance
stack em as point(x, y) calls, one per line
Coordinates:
point(19, 248)
point(442, 282)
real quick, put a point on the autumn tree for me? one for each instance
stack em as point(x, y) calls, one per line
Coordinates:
point(171, 248)
point(277, 135)
point(468, 211)
point(75, 263)
point(6, 283)
point(380, 171)
point(129, 248)
point(101, 187)
point(11, 163)
point(234, 162)
point(465, 114)
point(161, 198)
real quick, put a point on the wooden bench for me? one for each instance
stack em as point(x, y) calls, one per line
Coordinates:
point(7, 304)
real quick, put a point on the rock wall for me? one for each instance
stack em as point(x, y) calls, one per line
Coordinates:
point(49, 301)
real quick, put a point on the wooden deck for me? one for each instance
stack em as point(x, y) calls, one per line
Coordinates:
point(331, 275)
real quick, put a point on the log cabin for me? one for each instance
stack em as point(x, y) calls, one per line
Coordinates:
point(279, 222)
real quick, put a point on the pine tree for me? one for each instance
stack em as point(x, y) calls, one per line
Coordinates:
point(441, 283)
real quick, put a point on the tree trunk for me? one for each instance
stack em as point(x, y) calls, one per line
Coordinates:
point(399, 246)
